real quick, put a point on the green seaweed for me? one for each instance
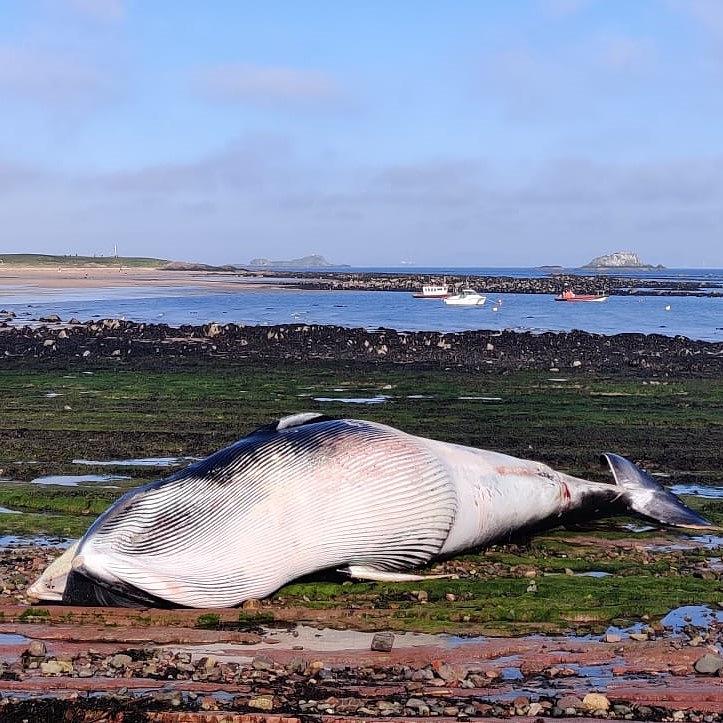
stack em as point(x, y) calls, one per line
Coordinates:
point(208, 621)
point(673, 426)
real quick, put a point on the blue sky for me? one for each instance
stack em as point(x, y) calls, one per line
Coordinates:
point(464, 133)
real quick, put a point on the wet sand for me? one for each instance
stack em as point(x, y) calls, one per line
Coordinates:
point(93, 277)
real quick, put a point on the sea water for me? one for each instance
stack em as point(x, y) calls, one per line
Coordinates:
point(691, 316)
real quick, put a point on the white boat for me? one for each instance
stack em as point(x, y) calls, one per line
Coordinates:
point(433, 291)
point(465, 297)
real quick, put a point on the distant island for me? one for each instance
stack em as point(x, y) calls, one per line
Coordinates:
point(619, 260)
point(314, 261)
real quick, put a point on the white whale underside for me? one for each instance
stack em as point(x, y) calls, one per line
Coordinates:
point(306, 495)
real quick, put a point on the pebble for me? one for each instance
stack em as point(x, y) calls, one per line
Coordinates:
point(535, 709)
point(120, 661)
point(446, 672)
point(261, 663)
point(262, 702)
point(709, 664)
point(382, 642)
point(56, 667)
point(416, 704)
point(37, 649)
point(569, 701)
point(595, 701)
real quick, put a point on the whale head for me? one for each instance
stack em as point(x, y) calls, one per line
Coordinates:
point(50, 586)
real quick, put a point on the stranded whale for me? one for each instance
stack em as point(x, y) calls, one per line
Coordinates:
point(308, 493)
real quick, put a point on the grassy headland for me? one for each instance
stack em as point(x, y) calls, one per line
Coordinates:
point(44, 260)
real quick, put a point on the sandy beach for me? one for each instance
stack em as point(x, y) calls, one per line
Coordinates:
point(94, 277)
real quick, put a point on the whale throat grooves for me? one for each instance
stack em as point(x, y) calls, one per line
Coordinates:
point(283, 502)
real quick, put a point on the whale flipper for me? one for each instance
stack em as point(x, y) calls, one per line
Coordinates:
point(649, 498)
point(375, 574)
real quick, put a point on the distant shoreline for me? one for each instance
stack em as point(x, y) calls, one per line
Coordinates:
point(95, 277)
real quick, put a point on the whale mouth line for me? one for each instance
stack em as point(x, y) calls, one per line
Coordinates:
point(83, 590)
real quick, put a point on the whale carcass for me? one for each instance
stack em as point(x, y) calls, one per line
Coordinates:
point(308, 493)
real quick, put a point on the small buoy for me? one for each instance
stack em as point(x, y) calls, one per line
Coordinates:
point(494, 308)
point(667, 307)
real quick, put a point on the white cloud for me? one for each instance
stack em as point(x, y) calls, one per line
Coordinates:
point(49, 78)
point(531, 84)
point(258, 195)
point(107, 11)
point(244, 166)
point(266, 85)
point(625, 53)
point(709, 13)
point(15, 177)
point(565, 7)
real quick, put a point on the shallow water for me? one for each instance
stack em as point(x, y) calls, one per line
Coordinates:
point(695, 317)
point(34, 541)
point(13, 639)
point(637, 528)
point(709, 493)
point(73, 480)
point(138, 462)
point(379, 399)
point(480, 399)
point(706, 542)
point(699, 616)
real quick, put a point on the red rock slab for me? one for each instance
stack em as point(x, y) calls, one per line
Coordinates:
point(220, 717)
point(654, 656)
point(100, 684)
point(704, 693)
point(217, 717)
point(10, 654)
point(666, 693)
point(399, 689)
point(445, 719)
point(533, 655)
point(128, 635)
point(131, 617)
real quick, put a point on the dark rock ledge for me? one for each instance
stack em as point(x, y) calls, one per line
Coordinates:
point(151, 344)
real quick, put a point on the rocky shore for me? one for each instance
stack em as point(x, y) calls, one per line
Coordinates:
point(158, 344)
point(185, 666)
point(550, 284)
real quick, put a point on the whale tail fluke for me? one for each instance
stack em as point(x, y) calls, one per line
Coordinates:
point(649, 498)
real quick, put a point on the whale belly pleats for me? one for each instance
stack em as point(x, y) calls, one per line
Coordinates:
point(280, 503)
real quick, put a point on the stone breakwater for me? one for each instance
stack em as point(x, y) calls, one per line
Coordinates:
point(112, 339)
point(554, 284)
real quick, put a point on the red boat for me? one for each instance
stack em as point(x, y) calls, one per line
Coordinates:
point(568, 295)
